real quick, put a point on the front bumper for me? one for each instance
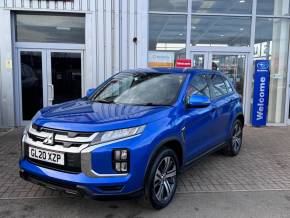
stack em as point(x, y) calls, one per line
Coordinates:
point(96, 176)
point(74, 189)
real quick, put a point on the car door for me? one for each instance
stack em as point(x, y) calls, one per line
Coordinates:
point(221, 103)
point(198, 121)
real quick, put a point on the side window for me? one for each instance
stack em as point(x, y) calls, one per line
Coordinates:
point(218, 86)
point(228, 85)
point(198, 86)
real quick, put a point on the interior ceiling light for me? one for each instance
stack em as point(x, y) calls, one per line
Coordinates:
point(63, 28)
point(241, 29)
point(180, 34)
point(242, 1)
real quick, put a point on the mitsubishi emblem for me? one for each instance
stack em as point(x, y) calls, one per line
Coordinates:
point(49, 140)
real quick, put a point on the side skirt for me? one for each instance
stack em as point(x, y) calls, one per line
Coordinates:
point(190, 163)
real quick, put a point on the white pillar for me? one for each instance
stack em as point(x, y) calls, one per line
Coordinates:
point(279, 64)
point(6, 72)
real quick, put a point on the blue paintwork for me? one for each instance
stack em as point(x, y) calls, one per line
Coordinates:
point(205, 127)
point(198, 101)
point(90, 92)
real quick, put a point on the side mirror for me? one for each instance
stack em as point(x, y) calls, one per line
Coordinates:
point(90, 92)
point(198, 101)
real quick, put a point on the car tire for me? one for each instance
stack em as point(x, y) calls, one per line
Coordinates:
point(161, 182)
point(233, 145)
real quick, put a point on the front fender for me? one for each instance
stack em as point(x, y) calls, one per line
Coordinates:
point(165, 133)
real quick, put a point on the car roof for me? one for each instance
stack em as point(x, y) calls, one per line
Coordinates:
point(173, 70)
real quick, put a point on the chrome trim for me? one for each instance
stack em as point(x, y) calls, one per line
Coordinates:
point(86, 166)
point(63, 138)
point(22, 145)
point(86, 160)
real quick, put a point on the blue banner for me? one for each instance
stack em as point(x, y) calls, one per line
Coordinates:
point(261, 92)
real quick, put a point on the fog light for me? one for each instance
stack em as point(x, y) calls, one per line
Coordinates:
point(121, 160)
point(124, 167)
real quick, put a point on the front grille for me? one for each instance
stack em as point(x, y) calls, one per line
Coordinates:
point(70, 134)
point(36, 138)
point(62, 138)
point(72, 162)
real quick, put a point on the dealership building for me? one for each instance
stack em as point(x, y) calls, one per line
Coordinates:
point(52, 51)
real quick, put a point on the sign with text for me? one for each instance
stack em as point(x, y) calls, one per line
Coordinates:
point(160, 59)
point(261, 92)
point(182, 63)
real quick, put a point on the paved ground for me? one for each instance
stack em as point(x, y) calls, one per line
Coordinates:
point(259, 174)
point(267, 204)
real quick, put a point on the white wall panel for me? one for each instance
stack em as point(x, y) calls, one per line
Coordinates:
point(116, 36)
point(6, 73)
point(108, 38)
point(89, 55)
point(75, 5)
point(124, 35)
point(142, 33)
point(100, 41)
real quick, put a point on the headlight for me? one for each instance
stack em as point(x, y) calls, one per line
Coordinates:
point(117, 134)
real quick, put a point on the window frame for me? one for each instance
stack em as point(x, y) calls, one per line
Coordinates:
point(212, 87)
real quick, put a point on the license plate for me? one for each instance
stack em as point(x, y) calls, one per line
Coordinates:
point(46, 156)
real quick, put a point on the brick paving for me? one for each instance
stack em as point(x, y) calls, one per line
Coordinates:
point(263, 164)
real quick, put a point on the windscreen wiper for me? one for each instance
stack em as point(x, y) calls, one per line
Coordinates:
point(104, 101)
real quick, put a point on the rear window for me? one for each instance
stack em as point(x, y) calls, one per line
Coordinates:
point(218, 86)
point(228, 85)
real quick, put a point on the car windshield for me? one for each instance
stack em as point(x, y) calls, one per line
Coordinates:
point(149, 89)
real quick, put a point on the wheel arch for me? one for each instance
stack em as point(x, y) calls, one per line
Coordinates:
point(172, 143)
point(240, 117)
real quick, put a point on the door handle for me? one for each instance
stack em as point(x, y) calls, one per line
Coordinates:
point(51, 92)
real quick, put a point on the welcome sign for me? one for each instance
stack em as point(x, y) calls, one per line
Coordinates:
point(261, 92)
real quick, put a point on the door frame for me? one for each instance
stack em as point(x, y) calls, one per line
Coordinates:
point(45, 49)
point(18, 96)
point(210, 51)
point(49, 73)
point(287, 114)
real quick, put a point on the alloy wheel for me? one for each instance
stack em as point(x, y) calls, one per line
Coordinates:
point(237, 137)
point(165, 179)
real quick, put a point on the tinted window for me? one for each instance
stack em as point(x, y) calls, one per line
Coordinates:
point(165, 5)
point(50, 28)
point(198, 86)
point(219, 87)
point(220, 30)
point(228, 85)
point(222, 6)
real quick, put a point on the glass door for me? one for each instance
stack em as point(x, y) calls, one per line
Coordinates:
point(47, 77)
point(233, 66)
point(64, 76)
point(200, 60)
point(31, 76)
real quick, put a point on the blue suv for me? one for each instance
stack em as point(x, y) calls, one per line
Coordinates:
point(133, 134)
